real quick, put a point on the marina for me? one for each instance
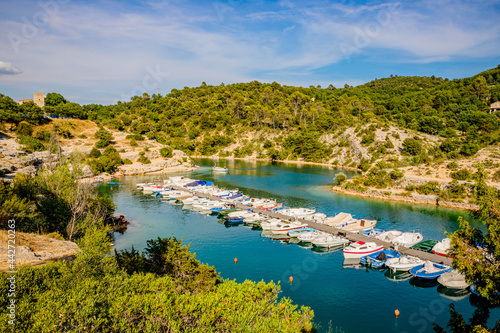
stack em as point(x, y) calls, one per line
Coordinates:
point(323, 278)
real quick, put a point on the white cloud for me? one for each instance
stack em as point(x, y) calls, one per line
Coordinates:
point(6, 68)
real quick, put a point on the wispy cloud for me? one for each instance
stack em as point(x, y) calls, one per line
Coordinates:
point(106, 46)
point(6, 68)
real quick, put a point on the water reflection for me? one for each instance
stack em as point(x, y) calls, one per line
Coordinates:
point(453, 294)
point(397, 276)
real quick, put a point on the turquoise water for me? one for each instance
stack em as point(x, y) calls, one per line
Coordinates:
point(344, 296)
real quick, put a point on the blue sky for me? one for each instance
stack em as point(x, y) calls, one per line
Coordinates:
point(105, 51)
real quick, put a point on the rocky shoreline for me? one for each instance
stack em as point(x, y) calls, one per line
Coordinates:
point(415, 198)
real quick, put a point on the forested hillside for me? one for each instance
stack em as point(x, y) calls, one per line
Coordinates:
point(284, 122)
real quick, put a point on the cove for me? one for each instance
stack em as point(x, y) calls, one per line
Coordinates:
point(344, 297)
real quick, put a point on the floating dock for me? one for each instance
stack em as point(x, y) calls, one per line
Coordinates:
point(332, 230)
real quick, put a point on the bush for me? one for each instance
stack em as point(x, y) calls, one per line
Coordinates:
point(82, 136)
point(429, 188)
point(462, 174)
point(144, 160)
point(31, 144)
point(127, 161)
point(396, 174)
point(43, 136)
point(452, 165)
point(24, 129)
point(412, 146)
point(133, 143)
point(339, 179)
point(368, 138)
point(267, 144)
point(94, 153)
point(469, 149)
point(102, 143)
point(166, 152)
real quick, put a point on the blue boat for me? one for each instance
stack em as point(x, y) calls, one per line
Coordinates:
point(373, 232)
point(238, 220)
point(112, 183)
point(430, 270)
point(378, 259)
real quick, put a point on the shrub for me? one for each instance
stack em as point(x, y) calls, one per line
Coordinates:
point(102, 143)
point(144, 160)
point(452, 165)
point(127, 161)
point(396, 174)
point(429, 188)
point(94, 153)
point(133, 143)
point(82, 136)
point(462, 174)
point(469, 149)
point(31, 144)
point(43, 136)
point(412, 146)
point(339, 179)
point(24, 129)
point(166, 152)
point(368, 138)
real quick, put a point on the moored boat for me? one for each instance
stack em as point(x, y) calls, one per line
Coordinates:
point(360, 249)
point(283, 228)
point(430, 270)
point(443, 248)
point(408, 239)
point(329, 241)
point(379, 259)
point(453, 280)
point(403, 263)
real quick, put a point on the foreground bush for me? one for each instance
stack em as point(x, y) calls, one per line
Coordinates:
point(94, 294)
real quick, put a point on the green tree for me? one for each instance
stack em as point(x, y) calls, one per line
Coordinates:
point(54, 99)
point(412, 146)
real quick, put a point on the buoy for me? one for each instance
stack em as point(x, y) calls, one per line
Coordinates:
point(290, 279)
point(235, 260)
point(396, 313)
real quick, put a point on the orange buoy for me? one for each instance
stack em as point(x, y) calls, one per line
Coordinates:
point(235, 260)
point(290, 279)
point(396, 313)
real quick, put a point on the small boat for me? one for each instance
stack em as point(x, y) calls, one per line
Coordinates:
point(360, 249)
point(329, 241)
point(429, 270)
point(283, 228)
point(425, 246)
point(295, 233)
point(443, 248)
point(379, 259)
point(453, 280)
point(267, 225)
point(112, 183)
point(308, 237)
point(220, 170)
point(403, 263)
point(408, 239)
point(373, 233)
point(388, 236)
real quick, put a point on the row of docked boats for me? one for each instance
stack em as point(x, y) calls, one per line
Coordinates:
point(199, 196)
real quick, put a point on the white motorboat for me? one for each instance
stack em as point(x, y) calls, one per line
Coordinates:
point(296, 233)
point(283, 228)
point(408, 239)
point(329, 241)
point(453, 280)
point(220, 170)
point(443, 247)
point(388, 236)
point(255, 218)
point(298, 212)
point(346, 222)
point(360, 249)
point(403, 263)
point(240, 213)
point(316, 217)
point(267, 225)
point(310, 236)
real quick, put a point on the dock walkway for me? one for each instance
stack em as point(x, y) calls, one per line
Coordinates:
point(349, 235)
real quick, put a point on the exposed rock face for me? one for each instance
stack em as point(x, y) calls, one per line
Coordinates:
point(32, 249)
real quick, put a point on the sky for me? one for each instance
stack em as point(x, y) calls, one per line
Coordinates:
point(105, 51)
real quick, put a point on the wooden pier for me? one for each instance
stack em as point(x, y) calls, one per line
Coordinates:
point(332, 230)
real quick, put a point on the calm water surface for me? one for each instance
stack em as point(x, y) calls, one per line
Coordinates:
point(344, 296)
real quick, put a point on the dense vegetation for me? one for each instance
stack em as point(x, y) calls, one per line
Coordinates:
point(207, 119)
point(176, 293)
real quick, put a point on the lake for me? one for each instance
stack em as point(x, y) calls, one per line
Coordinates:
point(344, 296)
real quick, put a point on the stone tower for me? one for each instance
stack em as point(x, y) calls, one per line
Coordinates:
point(39, 99)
